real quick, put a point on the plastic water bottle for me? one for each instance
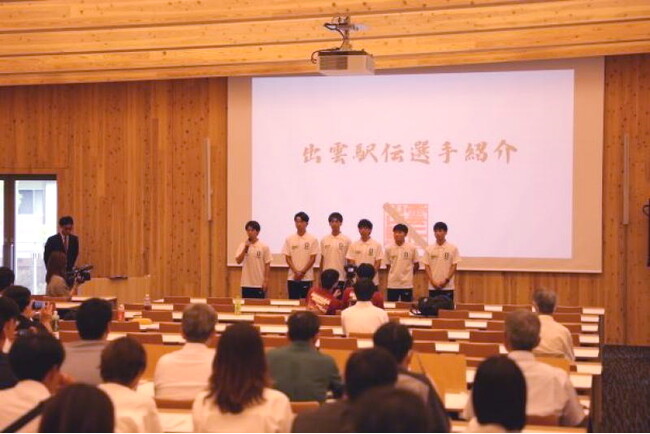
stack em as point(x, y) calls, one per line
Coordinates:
point(55, 321)
point(237, 306)
point(120, 312)
point(147, 302)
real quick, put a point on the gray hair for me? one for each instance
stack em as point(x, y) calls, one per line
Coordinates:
point(198, 322)
point(545, 300)
point(522, 330)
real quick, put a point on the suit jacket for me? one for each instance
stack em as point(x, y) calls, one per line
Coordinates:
point(329, 417)
point(55, 244)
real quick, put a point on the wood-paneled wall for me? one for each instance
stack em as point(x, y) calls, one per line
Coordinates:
point(131, 163)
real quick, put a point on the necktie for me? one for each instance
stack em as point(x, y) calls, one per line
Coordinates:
point(65, 244)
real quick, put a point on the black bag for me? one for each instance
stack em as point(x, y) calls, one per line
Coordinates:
point(429, 306)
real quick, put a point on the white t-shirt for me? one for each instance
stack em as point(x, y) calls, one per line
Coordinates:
point(255, 260)
point(440, 259)
point(18, 400)
point(401, 260)
point(363, 317)
point(334, 249)
point(134, 412)
point(272, 415)
point(301, 249)
point(366, 252)
point(183, 374)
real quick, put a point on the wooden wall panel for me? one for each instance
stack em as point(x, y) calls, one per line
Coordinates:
point(131, 163)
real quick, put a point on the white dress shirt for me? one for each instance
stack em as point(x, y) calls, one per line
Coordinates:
point(363, 317)
point(555, 339)
point(134, 412)
point(548, 391)
point(183, 374)
point(19, 400)
point(272, 415)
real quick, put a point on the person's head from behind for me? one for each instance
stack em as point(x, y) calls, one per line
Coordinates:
point(8, 313)
point(366, 271)
point(389, 409)
point(545, 301)
point(329, 279)
point(93, 317)
point(303, 326)
point(399, 233)
point(56, 265)
point(440, 231)
point(369, 368)
point(253, 229)
point(301, 220)
point(364, 289)
point(499, 393)
point(66, 225)
point(78, 408)
point(365, 228)
point(396, 339)
point(37, 357)
point(239, 370)
point(522, 330)
point(335, 220)
point(198, 323)
point(7, 278)
point(21, 295)
point(123, 361)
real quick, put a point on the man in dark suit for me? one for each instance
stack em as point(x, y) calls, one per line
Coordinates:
point(64, 242)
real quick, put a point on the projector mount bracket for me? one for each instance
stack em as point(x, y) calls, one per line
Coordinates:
point(343, 26)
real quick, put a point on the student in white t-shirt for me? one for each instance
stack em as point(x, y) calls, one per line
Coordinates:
point(401, 260)
point(365, 250)
point(440, 261)
point(256, 259)
point(300, 251)
point(334, 247)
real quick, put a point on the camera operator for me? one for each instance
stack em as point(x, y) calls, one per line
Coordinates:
point(64, 242)
point(57, 284)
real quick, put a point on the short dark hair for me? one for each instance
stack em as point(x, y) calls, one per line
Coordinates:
point(303, 325)
point(21, 295)
point(440, 226)
point(369, 368)
point(499, 393)
point(32, 356)
point(93, 318)
point(8, 311)
point(122, 361)
point(335, 215)
point(302, 215)
point(390, 409)
point(363, 289)
point(400, 227)
point(7, 278)
point(394, 338)
point(366, 271)
point(78, 408)
point(329, 278)
point(364, 223)
point(66, 220)
point(253, 225)
point(545, 300)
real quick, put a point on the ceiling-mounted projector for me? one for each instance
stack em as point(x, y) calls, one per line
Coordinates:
point(343, 60)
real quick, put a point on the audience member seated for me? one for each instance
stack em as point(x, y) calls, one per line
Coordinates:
point(387, 409)
point(82, 358)
point(57, 286)
point(239, 399)
point(363, 317)
point(78, 408)
point(29, 319)
point(8, 314)
point(36, 360)
point(364, 271)
point(181, 375)
point(299, 370)
point(548, 389)
point(324, 300)
point(397, 340)
point(364, 370)
point(7, 278)
point(123, 362)
point(554, 338)
point(498, 397)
